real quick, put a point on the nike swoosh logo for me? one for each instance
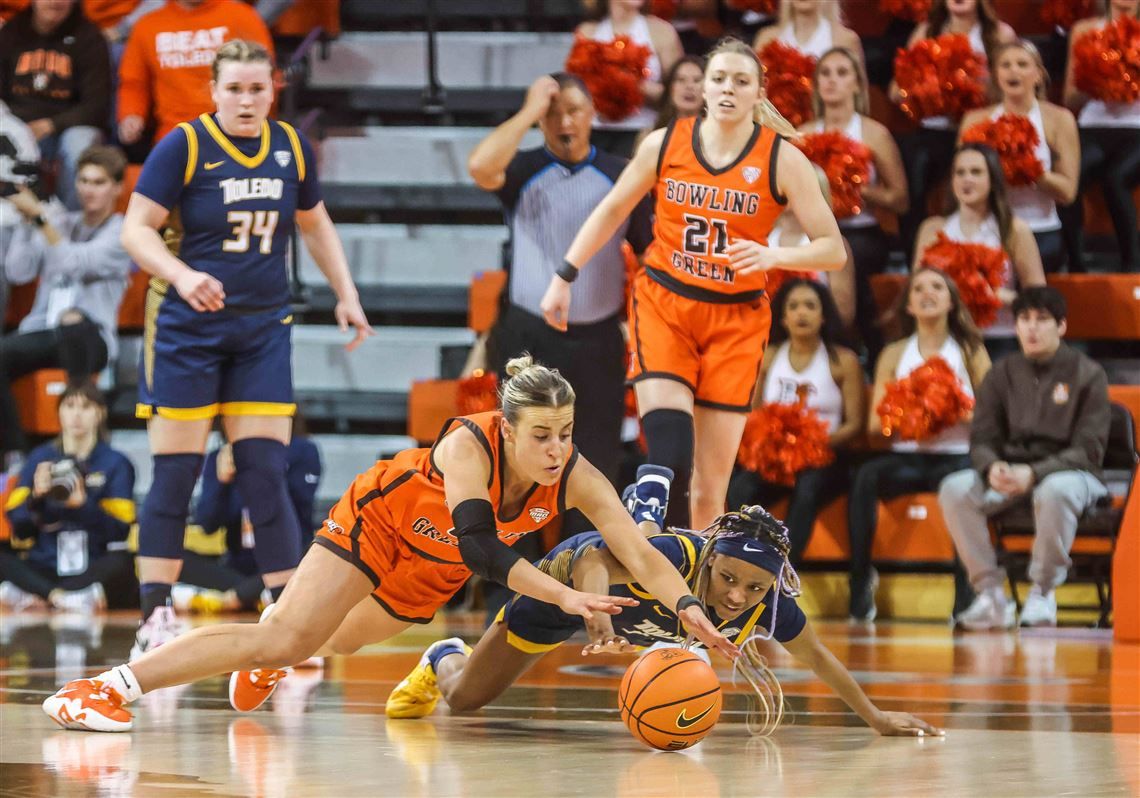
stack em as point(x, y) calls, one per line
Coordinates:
point(757, 551)
point(684, 721)
point(214, 165)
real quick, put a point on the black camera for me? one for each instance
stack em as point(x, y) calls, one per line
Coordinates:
point(15, 173)
point(65, 478)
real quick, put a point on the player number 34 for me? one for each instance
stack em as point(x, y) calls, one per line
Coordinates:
point(247, 223)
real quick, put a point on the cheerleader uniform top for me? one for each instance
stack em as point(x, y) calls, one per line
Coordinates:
point(643, 117)
point(781, 237)
point(956, 439)
point(1098, 113)
point(1030, 203)
point(784, 385)
point(817, 44)
point(978, 45)
point(854, 131)
point(989, 235)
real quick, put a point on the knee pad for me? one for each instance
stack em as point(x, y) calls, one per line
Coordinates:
point(162, 522)
point(260, 465)
point(670, 438)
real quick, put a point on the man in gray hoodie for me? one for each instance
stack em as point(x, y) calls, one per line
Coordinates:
point(1039, 434)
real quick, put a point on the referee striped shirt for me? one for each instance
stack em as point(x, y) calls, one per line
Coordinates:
point(545, 201)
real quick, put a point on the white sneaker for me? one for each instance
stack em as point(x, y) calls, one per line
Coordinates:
point(990, 610)
point(88, 601)
point(161, 627)
point(1040, 609)
point(17, 599)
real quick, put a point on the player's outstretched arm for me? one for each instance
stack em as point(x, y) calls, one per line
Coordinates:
point(808, 648)
point(319, 235)
point(594, 572)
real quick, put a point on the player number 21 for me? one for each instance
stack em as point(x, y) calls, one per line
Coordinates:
point(247, 223)
point(697, 235)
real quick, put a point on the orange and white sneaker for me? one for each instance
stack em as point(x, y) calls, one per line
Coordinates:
point(250, 689)
point(88, 705)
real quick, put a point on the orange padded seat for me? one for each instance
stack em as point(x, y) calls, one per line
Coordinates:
point(300, 18)
point(1101, 305)
point(7, 485)
point(134, 301)
point(483, 299)
point(430, 403)
point(37, 400)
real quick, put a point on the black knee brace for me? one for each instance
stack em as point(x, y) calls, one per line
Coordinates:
point(260, 466)
point(162, 522)
point(670, 436)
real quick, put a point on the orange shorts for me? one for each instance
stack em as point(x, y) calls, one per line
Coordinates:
point(409, 586)
point(716, 350)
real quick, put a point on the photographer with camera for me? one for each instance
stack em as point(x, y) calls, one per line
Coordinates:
point(19, 163)
point(82, 269)
point(70, 513)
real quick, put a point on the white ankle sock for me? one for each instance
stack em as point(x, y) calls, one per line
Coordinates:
point(123, 680)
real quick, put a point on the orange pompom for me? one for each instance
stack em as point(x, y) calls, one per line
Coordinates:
point(612, 71)
point(909, 10)
point(976, 269)
point(1063, 13)
point(1106, 62)
point(1015, 140)
point(940, 77)
point(924, 402)
point(787, 74)
point(777, 278)
point(780, 440)
point(847, 164)
point(477, 393)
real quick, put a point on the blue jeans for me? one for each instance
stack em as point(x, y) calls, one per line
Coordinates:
point(66, 147)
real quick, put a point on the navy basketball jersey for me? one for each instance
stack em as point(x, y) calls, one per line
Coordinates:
point(236, 198)
point(651, 621)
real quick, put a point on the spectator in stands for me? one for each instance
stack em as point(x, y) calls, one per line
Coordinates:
point(806, 359)
point(979, 212)
point(235, 582)
point(547, 193)
point(71, 510)
point(684, 93)
point(928, 153)
point(1021, 80)
point(82, 269)
point(55, 74)
point(811, 26)
point(1039, 435)
point(935, 323)
point(1110, 152)
point(19, 156)
point(116, 18)
point(164, 76)
point(613, 18)
point(840, 101)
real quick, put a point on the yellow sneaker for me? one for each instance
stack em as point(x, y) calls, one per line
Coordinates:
point(418, 693)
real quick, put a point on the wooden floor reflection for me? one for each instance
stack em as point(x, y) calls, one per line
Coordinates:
point(1040, 713)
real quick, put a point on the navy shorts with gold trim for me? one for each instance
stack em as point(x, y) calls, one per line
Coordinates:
point(198, 365)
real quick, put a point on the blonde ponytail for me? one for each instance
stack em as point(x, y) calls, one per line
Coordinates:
point(769, 116)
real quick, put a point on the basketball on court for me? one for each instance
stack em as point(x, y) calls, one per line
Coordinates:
point(670, 699)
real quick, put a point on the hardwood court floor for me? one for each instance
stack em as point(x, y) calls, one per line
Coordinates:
point(1033, 714)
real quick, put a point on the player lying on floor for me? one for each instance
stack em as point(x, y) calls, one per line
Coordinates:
point(741, 573)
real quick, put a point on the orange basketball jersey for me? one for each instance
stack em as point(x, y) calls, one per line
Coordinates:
point(405, 495)
point(700, 210)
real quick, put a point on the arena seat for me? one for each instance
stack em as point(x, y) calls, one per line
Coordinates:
point(430, 404)
point(37, 399)
point(484, 299)
point(300, 18)
point(134, 301)
point(7, 485)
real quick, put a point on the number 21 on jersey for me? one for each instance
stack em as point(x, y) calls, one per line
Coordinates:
point(251, 223)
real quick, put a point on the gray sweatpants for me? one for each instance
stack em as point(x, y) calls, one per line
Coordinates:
point(1058, 502)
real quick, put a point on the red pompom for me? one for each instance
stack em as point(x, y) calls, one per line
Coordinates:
point(781, 440)
point(759, 6)
point(1063, 13)
point(940, 77)
point(777, 278)
point(1106, 62)
point(477, 393)
point(976, 269)
point(910, 10)
point(612, 71)
point(924, 402)
point(1015, 140)
point(847, 164)
point(787, 74)
point(665, 9)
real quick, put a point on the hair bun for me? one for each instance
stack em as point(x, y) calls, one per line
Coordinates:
point(517, 365)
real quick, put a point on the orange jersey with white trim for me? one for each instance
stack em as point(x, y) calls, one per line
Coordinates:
point(700, 210)
point(412, 500)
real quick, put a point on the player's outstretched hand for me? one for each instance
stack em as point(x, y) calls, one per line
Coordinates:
point(698, 624)
point(201, 291)
point(576, 602)
point(611, 644)
point(349, 312)
point(556, 303)
point(748, 256)
point(903, 724)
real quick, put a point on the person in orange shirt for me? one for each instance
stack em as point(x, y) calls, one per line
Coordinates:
point(165, 72)
point(699, 311)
